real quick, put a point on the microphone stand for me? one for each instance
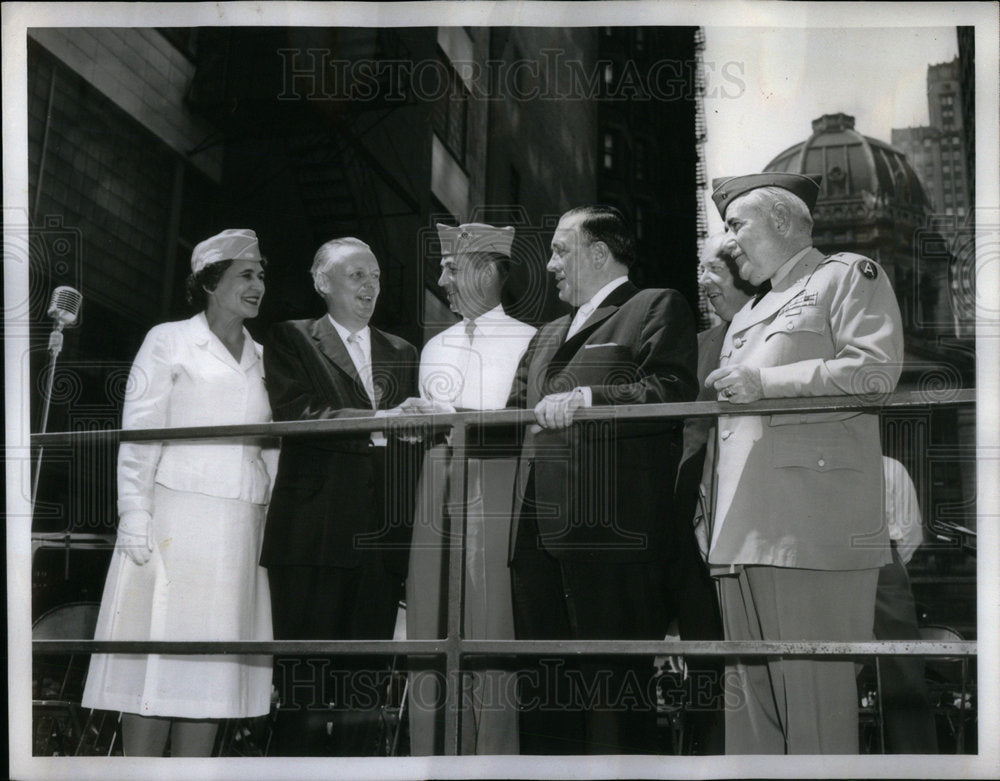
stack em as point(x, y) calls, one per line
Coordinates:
point(55, 347)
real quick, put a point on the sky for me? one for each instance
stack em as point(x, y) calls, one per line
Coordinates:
point(766, 85)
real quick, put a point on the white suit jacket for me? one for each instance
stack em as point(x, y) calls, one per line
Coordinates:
point(184, 376)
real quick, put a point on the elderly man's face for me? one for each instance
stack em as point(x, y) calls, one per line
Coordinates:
point(571, 264)
point(717, 282)
point(758, 248)
point(352, 287)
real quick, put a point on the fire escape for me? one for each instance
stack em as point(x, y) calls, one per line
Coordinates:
point(338, 153)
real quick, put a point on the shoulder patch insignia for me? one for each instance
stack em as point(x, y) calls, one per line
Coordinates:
point(869, 269)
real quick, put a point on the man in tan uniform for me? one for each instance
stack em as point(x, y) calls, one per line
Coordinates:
point(797, 533)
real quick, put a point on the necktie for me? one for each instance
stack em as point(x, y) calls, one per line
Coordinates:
point(763, 290)
point(363, 366)
point(580, 318)
point(470, 329)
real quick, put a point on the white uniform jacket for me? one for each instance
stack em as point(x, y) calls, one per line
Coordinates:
point(805, 490)
point(478, 374)
point(184, 376)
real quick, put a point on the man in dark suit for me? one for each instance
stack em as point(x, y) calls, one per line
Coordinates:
point(335, 544)
point(594, 543)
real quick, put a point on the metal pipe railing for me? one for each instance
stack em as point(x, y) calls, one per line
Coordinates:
point(454, 648)
point(500, 648)
point(627, 412)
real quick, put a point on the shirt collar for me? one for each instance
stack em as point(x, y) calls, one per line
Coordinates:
point(252, 351)
point(344, 333)
point(598, 298)
point(788, 265)
point(495, 314)
point(202, 333)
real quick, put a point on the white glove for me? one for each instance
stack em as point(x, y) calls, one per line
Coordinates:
point(135, 535)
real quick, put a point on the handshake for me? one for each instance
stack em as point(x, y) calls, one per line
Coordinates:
point(555, 411)
point(415, 406)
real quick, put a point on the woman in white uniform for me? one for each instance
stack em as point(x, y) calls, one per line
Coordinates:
point(191, 516)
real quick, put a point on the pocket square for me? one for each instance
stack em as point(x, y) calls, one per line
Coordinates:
point(602, 344)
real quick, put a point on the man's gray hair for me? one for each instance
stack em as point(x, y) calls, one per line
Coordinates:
point(766, 197)
point(329, 252)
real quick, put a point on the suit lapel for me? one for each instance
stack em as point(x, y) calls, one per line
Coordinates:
point(333, 347)
point(383, 369)
point(608, 307)
point(550, 340)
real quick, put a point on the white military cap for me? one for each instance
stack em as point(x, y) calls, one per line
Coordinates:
point(231, 244)
point(475, 237)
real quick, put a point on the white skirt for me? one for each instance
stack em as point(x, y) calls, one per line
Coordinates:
point(202, 582)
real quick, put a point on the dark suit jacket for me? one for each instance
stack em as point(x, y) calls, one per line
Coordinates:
point(602, 490)
point(331, 504)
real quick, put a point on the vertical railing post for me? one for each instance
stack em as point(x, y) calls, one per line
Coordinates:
point(457, 472)
point(880, 710)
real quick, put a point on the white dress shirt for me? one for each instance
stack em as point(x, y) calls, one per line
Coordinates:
point(474, 373)
point(580, 319)
point(902, 509)
point(360, 350)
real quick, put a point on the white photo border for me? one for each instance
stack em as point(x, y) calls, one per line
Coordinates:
point(19, 16)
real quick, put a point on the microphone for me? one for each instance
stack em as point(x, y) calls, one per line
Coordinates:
point(64, 307)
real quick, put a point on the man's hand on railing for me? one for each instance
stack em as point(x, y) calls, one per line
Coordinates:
point(737, 384)
point(557, 409)
point(417, 406)
point(135, 535)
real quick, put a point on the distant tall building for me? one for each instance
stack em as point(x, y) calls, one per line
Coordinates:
point(706, 313)
point(648, 154)
point(938, 151)
point(967, 87)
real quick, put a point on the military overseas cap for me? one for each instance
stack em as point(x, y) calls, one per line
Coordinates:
point(727, 189)
point(475, 237)
point(231, 244)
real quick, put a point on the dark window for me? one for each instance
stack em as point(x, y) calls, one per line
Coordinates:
point(514, 187)
point(640, 161)
point(451, 112)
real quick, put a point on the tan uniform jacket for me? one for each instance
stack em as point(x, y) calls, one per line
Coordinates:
point(806, 490)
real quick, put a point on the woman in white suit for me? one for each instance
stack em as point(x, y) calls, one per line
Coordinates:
point(191, 516)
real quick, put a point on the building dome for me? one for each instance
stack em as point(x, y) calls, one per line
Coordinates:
point(863, 178)
point(872, 203)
